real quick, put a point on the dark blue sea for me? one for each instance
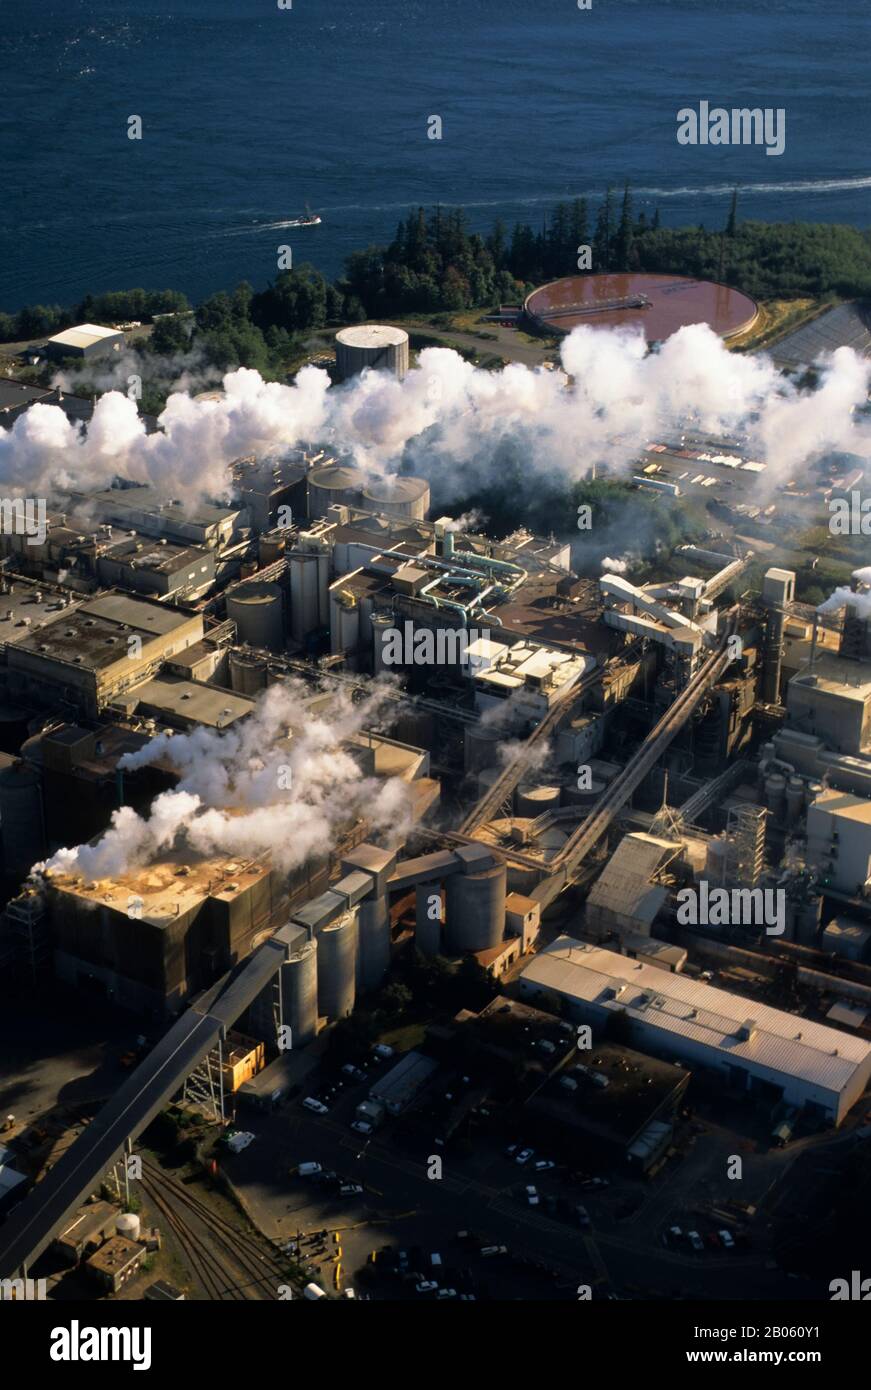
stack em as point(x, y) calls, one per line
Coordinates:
point(249, 111)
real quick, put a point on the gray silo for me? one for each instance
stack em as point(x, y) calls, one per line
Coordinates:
point(373, 345)
point(21, 819)
point(299, 994)
point(475, 910)
point(373, 943)
point(337, 966)
point(427, 928)
point(403, 497)
point(339, 483)
point(257, 609)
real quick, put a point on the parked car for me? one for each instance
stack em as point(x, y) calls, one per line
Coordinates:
point(524, 1156)
point(428, 1286)
point(532, 1196)
point(543, 1165)
point(446, 1293)
point(309, 1170)
point(673, 1236)
point(382, 1050)
point(354, 1072)
point(727, 1240)
point(583, 1217)
point(316, 1105)
point(361, 1126)
point(350, 1189)
point(695, 1241)
point(590, 1183)
point(488, 1250)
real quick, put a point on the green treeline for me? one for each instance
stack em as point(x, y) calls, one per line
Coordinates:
point(435, 264)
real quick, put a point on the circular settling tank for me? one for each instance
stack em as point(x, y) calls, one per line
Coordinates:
point(657, 304)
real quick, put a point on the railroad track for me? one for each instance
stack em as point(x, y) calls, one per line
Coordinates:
point(231, 1265)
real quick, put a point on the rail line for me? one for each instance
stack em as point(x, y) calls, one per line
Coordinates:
point(246, 1255)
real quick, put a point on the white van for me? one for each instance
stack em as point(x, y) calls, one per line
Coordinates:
point(308, 1170)
point(313, 1291)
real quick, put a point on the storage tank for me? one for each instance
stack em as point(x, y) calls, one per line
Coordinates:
point(534, 801)
point(309, 585)
point(128, 1224)
point(775, 794)
point(333, 483)
point(373, 943)
point(248, 673)
point(21, 819)
point(405, 497)
point(299, 994)
point(383, 625)
point(337, 967)
point(486, 779)
point(427, 929)
point(475, 910)
point(257, 609)
point(794, 799)
point(373, 345)
point(574, 796)
point(482, 743)
point(344, 621)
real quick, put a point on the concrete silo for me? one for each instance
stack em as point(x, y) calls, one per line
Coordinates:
point(257, 609)
point(299, 994)
point(403, 497)
point(373, 942)
point(338, 483)
point(534, 801)
point(475, 909)
point(21, 818)
point(373, 345)
point(337, 966)
point(427, 925)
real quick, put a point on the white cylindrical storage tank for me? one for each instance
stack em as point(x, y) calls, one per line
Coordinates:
point(373, 943)
point(404, 497)
point(428, 919)
point(128, 1224)
point(337, 967)
point(299, 994)
point(775, 794)
point(304, 604)
point(373, 345)
point(21, 819)
point(257, 609)
point(333, 483)
point(534, 801)
point(482, 742)
point(344, 621)
point(475, 910)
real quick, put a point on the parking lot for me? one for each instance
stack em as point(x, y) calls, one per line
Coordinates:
point(576, 1228)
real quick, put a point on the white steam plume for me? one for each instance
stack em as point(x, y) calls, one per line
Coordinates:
point(615, 566)
point(450, 420)
point(280, 781)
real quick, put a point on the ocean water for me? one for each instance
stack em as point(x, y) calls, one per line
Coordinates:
point(249, 111)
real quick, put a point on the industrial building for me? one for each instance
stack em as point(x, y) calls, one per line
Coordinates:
point(764, 1053)
point(87, 340)
point(404, 1082)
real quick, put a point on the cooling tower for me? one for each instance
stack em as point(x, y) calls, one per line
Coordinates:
point(299, 994)
point(475, 910)
point(337, 967)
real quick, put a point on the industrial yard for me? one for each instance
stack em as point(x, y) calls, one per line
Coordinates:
point(444, 916)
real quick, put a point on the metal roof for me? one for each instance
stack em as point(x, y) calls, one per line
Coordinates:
point(674, 1004)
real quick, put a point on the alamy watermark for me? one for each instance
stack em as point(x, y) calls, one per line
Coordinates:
point(425, 646)
point(724, 907)
point(742, 125)
point(24, 516)
point(850, 516)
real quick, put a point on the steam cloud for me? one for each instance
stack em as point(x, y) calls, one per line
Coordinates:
point(450, 419)
point(281, 781)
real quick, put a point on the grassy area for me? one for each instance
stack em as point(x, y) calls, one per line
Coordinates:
point(777, 317)
point(403, 1039)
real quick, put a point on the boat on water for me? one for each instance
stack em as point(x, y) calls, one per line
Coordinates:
point(308, 219)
